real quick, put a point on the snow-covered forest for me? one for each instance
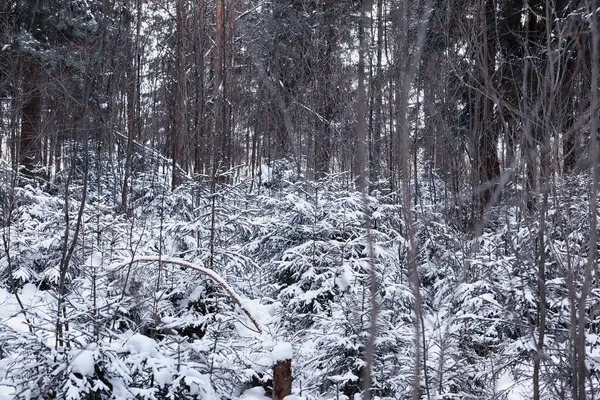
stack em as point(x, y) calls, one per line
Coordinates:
point(398, 196)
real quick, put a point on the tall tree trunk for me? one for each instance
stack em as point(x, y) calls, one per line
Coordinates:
point(31, 119)
point(362, 148)
point(132, 92)
point(218, 60)
point(201, 122)
point(488, 164)
point(223, 85)
point(591, 266)
point(228, 84)
point(406, 73)
point(322, 140)
point(376, 104)
point(179, 110)
point(361, 111)
point(570, 136)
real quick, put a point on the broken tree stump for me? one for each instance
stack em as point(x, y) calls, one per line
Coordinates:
point(282, 379)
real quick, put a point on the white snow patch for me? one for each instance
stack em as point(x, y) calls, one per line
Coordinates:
point(6, 392)
point(5, 309)
point(140, 344)
point(348, 376)
point(265, 361)
point(83, 363)
point(94, 260)
point(513, 390)
point(265, 173)
point(345, 279)
point(52, 274)
point(255, 393)
point(504, 382)
point(261, 312)
point(282, 351)
point(10, 312)
point(29, 293)
point(163, 376)
point(197, 293)
point(18, 323)
point(199, 384)
point(292, 397)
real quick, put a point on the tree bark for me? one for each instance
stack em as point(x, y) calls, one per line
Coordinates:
point(132, 92)
point(591, 265)
point(282, 379)
point(488, 164)
point(31, 119)
point(322, 140)
point(222, 89)
point(179, 111)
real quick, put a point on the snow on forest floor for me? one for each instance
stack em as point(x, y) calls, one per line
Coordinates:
point(6, 393)
point(513, 390)
point(10, 311)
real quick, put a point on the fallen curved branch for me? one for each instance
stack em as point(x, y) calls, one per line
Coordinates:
point(205, 271)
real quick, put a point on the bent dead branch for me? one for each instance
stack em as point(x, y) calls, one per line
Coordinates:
point(205, 271)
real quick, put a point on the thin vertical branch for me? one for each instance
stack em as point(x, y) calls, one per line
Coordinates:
point(361, 138)
point(404, 168)
point(593, 202)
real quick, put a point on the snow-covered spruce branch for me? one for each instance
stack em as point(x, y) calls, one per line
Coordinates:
point(205, 271)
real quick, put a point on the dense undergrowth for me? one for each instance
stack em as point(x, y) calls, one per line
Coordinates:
point(296, 251)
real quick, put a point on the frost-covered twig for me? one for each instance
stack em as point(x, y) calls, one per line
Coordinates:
point(205, 271)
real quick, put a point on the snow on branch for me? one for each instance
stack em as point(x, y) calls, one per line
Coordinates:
point(205, 271)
